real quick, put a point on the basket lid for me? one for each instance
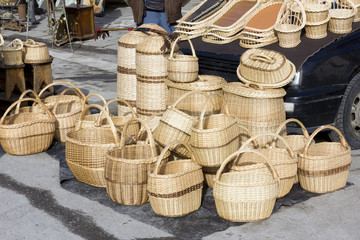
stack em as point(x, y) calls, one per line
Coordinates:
point(132, 38)
point(153, 44)
point(202, 83)
point(272, 60)
point(32, 43)
point(240, 89)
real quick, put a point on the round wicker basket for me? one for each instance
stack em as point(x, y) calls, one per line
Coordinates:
point(36, 52)
point(12, 53)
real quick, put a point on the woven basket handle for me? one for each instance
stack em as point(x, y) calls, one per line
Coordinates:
point(303, 128)
point(62, 94)
point(23, 100)
point(202, 115)
point(276, 136)
point(150, 137)
point(23, 94)
point(182, 97)
point(236, 154)
point(122, 101)
point(262, 58)
point(30, 42)
point(17, 44)
point(62, 83)
point(253, 85)
point(342, 138)
point(107, 116)
point(1, 40)
point(174, 44)
point(172, 144)
point(256, 144)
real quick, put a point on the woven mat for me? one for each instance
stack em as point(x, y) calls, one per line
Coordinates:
point(199, 224)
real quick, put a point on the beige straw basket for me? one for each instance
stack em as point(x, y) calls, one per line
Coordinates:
point(292, 20)
point(86, 148)
point(127, 168)
point(357, 15)
point(324, 167)
point(12, 53)
point(36, 52)
point(317, 30)
point(284, 160)
point(245, 196)
point(25, 132)
point(192, 105)
point(215, 136)
point(342, 14)
point(1, 44)
point(255, 104)
point(175, 188)
point(175, 125)
point(29, 108)
point(266, 68)
point(316, 10)
point(182, 68)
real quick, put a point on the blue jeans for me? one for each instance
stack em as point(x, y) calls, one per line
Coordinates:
point(158, 18)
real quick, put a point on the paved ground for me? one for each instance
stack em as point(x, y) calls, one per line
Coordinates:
point(39, 200)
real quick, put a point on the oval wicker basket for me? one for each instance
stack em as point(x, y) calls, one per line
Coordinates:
point(182, 68)
point(36, 52)
point(175, 188)
point(24, 132)
point(12, 53)
point(266, 68)
point(324, 167)
point(245, 196)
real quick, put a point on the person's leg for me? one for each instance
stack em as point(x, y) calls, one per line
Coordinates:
point(158, 18)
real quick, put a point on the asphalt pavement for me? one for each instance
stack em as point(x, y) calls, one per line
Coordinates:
point(40, 199)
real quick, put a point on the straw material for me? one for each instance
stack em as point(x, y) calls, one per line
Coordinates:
point(292, 20)
point(342, 15)
point(175, 125)
point(357, 15)
point(317, 30)
point(215, 137)
point(175, 188)
point(126, 88)
point(30, 108)
point(251, 104)
point(192, 105)
point(1, 44)
point(24, 133)
point(316, 10)
point(127, 168)
point(266, 68)
point(324, 167)
point(12, 53)
point(245, 196)
point(85, 149)
point(36, 52)
point(182, 68)
point(152, 121)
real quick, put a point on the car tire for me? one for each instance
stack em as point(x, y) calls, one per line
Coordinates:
point(348, 117)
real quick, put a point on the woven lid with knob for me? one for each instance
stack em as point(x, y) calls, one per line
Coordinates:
point(240, 89)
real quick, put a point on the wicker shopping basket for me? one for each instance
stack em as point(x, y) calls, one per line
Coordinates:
point(215, 136)
point(25, 132)
point(85, 149)
point(12, 53)
point(127, 168)
point(36, 52)
point(175, 188)
point(324, 167)
point(245, 196)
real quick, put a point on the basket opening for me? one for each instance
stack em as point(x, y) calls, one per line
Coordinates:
point(216, 121)
point(133, 152)
point(177, 167)
point(326, 148)
point(248, 178)
point(93, 136)
point(24, 117)
point(68, 107)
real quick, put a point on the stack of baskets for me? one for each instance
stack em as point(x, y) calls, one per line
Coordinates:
point(317, 18)
point(342, 14)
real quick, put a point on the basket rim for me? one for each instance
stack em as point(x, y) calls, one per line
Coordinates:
point(217, 129)
point(239, 89)
point(197, 167)
point(134, 161)
point(318, 23)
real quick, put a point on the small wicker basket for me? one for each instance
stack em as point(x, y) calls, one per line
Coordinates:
point(342, 14)
point(316, 10)
point(317, 30)
point(36, 52)
point(12, 53)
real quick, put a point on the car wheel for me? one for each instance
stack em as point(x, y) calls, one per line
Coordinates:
point(348, 117)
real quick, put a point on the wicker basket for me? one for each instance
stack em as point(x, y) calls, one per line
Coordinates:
point(316, 10)
point(127, 168)
point(266, 68)
point(291, 21)
point(12, 53)
point(86, 148)
point(30, 108)
point(245, 196)
point(215, 137)
point(175, 125)
point(175, 189)
point(357, 15)
point(36, 52)
point(317, 30)
point(182, 68)
point(93, 119)
point(324, 167)
point(24, 133)
point(193, 104)
point(342, 14)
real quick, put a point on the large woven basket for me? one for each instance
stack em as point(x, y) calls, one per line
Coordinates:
point(127, 168)
point(324, 167)
point(215, 136)
point(192, 105)
point(342, 14)
point(25, 132)
point(175, 188)
point(182, 68)
point(266, 68)
point(316, 10)
point(36, 52)
point(245, 196)
point(284, 161)
point(175, 125)
point(12, 53)
point(86, 148)
point(317, 30)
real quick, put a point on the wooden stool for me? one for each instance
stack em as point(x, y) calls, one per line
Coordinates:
point(41, 73)
point(14, 76)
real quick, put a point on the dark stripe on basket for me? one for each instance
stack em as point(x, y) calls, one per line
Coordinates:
point(177, 194)
point(144, 78)
point(174, 127)
point(148, 112)
point(131, 102)
point(123, 70)
point(324, 172)
point(125, 183)
point(216, 146)
point(147, 53)
point(126, 45)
